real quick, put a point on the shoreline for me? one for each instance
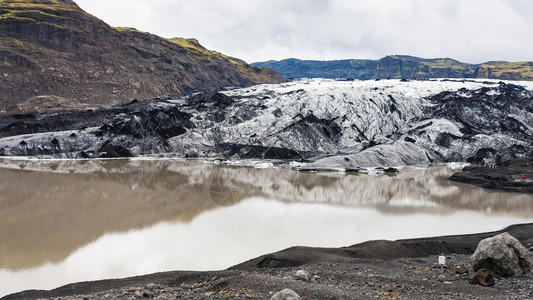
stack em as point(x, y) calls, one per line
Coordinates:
point(402, 269)
point(506, 177)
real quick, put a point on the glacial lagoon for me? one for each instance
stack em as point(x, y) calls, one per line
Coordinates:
point(63, 221)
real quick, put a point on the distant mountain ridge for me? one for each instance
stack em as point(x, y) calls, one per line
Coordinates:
point(55, 56)
point(399, 66)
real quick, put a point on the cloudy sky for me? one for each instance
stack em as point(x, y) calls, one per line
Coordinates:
point(472, 31)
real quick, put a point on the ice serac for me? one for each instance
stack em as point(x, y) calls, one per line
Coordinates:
point(337, 124)
point(54, 56)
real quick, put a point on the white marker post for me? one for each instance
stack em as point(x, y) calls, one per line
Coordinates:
point(442, 262)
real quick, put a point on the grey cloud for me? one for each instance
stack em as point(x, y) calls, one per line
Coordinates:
point(254, 30)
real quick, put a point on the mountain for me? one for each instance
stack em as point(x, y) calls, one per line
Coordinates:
point(399, 66)
point(336, 124)
point(55, 56)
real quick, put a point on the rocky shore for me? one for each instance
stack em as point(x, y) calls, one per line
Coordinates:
point(403, 269)
point(508, 176)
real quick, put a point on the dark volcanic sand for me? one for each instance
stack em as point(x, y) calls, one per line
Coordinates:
point(505, 177)
point(403, 269)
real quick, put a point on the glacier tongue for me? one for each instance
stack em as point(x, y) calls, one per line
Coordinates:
point(338, 124)
point(383, 123)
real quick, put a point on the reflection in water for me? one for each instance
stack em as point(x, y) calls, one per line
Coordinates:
point(82, 220)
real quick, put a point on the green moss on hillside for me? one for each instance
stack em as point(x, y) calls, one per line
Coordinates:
point(444, 64)
point(511, 71)
point(60, 5)
point(12, 42)
point(445, 68)
point(195, 48)
point(127, 29)
point(201, 53)
point(191, 44)
point(32, 11)
point(62, 14)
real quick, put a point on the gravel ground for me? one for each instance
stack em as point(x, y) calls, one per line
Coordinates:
point(403, 269)
point(406, 278)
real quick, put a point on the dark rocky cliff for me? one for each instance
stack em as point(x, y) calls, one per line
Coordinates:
point(53, 55)
point(399, 66)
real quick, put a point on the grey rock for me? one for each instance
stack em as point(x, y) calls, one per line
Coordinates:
point(153, 286)
point(441, 278)
point(286, 294)
point(147, 293)
point(302, 275)
point(504, 255)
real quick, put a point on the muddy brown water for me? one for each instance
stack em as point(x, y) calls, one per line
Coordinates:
point(67, 221)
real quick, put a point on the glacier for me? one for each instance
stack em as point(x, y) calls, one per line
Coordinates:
point(329, 123)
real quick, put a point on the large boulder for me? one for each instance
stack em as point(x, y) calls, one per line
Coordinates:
point(286, 294)
point(503, 255)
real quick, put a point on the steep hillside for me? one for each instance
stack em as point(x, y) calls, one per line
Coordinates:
point(53, 56)
point(399, 66)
